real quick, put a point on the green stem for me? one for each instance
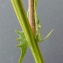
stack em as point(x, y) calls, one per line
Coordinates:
point(24, 23)
point(20, 58)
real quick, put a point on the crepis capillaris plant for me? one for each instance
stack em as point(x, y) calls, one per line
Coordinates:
point(30, 39)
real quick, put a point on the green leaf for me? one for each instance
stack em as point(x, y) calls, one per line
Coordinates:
point(41, 40)
point(23, 44)
point(37, 23)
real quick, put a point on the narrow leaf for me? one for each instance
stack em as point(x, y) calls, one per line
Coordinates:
point(47, 36)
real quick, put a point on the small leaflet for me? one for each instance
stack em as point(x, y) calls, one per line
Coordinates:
point(23, 45)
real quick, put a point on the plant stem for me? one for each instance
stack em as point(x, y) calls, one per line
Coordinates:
point(32, 24)
point(24, 23)
point(31, 14)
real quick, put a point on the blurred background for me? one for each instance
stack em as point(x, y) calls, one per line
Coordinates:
point(50, 13)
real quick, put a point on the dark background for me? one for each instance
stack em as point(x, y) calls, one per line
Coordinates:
point(50, 13)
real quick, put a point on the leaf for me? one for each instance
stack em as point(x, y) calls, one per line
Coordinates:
point(37, 23)
point(23, 44)
point(40, 40)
